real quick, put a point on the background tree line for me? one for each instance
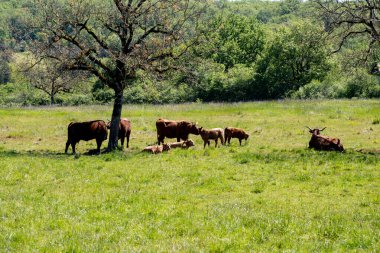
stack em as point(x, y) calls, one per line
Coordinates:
point(249, 50)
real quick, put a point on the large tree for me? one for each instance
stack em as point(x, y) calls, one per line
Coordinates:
point(114, 39)
point(233, 39)
point(295, 56)
point(348, 18)
point(51, 77)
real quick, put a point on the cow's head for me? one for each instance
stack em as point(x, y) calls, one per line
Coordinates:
point(165, 147)
point(246, 136)
point(315, 131)
point(189, 143)
point(193, 129)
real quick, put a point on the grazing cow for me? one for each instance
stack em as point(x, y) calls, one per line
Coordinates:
point(124, 131)
point(182, 144)
point(320, 142)
point(157, 149)
point(232, 132)
point(175, 129)
point(86, 131)
point(211, 134)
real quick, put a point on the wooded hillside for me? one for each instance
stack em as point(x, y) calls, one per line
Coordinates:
point(249, 50)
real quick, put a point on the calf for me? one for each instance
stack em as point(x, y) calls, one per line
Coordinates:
point(77, 131)
point(182, 144)
point(157, 149)
point(232, 132)
point(124, 131)
point(211, 134)
point(320, 142)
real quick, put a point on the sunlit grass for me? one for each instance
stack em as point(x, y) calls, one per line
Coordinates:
point(271, 194)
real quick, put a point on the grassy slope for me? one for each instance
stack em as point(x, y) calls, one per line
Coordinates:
point(271, 194)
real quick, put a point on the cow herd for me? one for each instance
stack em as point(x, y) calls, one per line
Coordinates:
point(180, 130)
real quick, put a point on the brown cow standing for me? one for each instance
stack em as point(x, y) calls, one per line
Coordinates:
point(157, 149)
point(320, 142)
point(124, 130)
point(182, 144)
point(175, 129)
point(232, 132)
point(86, 131)
point(211, 134)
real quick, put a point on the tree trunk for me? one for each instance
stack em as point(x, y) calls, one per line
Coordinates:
point(52, 101)
point(115, 120)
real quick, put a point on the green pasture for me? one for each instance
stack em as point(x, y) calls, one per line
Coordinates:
point(271, 194)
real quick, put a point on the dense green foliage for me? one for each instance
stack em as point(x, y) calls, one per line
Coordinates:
point(296, 56)
point(270, 195)
point(234, 39)
point(251, 50)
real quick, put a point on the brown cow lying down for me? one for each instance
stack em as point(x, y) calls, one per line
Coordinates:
point(86, 131)
point(174, 129)
point(320, 142)
point(124, 131)
point(211, 134)
point(157, 149)
point(182, 144)
point(232, 132)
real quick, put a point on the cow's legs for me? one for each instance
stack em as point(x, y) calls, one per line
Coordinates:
point(208, 142)
point(67, 146)
point(222, 140)
point(99, 144)
point(160, 139)
point(204, 144)
point(216, 142)
point(73, 143)
point(240, 141)
point(122, 142)
point(128, 140)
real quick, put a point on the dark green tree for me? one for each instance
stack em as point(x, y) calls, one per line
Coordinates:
point(296, 55)
point(235, 40)
point(5, 70)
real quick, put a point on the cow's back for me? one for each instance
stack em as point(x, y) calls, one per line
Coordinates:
point(166, 128)
point(87, 130)
point(234, 132)
point(125, 125)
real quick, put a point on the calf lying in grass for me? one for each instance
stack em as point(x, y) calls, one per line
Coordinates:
point(232, 132)
point(211, 134)
point(157, 149)
point(182, 144)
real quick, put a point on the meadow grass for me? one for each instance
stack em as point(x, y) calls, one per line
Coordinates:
point(271, 194)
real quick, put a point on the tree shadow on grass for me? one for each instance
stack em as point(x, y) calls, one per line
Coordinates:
point(368, 156)
point(45, 153)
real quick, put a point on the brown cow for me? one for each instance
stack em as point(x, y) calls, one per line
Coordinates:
point(232, 132)
point(124, 130)
point(211, 134)
point(320, 142)
point(157, 149)
point(86, 131)
point(182, 144)
point(174, 129)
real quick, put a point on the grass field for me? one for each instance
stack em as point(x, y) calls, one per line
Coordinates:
point(271, 194)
